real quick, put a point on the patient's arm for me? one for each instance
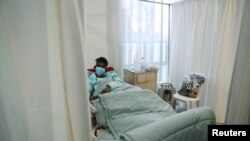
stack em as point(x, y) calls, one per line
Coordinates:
point(106, 90)
point(117, 81)
point(97, 96)
point(91, 83)
point(93, 97)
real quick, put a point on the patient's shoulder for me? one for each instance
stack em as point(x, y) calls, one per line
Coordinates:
point(112, 73)
point(92, 76)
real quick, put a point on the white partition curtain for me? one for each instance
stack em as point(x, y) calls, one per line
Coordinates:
point(138, 28)
point(238, 111)
point(204, 38)
point(43, 89)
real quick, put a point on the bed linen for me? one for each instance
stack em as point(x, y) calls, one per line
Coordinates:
point(130, 113)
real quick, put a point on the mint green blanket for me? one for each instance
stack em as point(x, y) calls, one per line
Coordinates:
point(141, 115)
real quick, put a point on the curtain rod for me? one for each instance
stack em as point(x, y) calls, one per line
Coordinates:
point(154, 2)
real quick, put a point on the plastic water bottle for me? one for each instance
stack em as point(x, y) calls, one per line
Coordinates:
point(137, 66)
point(143, 65)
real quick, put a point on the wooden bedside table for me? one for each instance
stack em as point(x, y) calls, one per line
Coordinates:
point(143, 79)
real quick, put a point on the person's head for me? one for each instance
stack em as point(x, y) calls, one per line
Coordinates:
point(101, 64)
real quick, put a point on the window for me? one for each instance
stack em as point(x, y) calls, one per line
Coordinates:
point(146, 34)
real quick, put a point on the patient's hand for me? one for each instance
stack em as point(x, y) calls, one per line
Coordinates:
point(106, 90)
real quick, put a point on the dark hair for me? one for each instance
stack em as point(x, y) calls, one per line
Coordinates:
point(103, 60)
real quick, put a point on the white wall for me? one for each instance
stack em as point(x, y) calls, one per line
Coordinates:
point(96, 35)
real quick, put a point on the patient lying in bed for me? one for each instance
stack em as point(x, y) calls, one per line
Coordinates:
point(132, 114)
point(129, 113)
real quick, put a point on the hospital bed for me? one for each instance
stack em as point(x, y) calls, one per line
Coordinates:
point(130, 113)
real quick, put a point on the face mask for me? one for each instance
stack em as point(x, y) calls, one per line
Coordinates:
point(99, 71)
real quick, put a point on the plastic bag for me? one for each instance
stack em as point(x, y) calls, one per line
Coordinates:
point(191, 85)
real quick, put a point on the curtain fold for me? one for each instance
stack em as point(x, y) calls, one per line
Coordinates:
point(74, 69)
point(12, 117)
point(238, 111)
point(115, 33)
point(204, 38)
point(42, 71)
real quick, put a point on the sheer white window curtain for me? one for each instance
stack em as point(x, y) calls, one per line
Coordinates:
point(138, 28)
point(204, 38)
point(43, 90)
